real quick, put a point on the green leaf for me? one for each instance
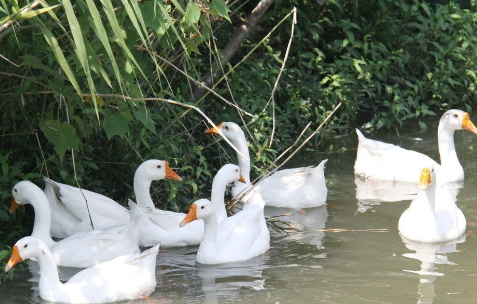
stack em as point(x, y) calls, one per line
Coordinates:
point(192, 14)
point(144, 115)
point(32, 61)
point(61, 135)
point(220, 8)
point(80, 48)
point(27, 15)
point(55, 47)
point(115, 124)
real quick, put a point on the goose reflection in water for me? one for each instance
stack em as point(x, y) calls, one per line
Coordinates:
point(371, 193)
point(308, 224)
point(226, 280)
point(430, 254)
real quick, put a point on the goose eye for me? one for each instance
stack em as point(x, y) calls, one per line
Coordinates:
point(26, 245)
point(226, 128)
point(202, 207)
point(159, 166)
point(455, 115)
point(236, 170)
point(16, 191)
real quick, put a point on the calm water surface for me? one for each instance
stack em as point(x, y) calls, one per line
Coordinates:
point(359, 259)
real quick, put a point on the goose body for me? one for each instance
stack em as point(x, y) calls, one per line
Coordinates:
point(377, 160)
point(83, 249)
point(433, 215)
point(123, 278)
point(237, 238)
point(297, 188)
point(69, 212)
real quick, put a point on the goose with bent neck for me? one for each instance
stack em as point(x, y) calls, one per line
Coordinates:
point(79, 250)
point(296, 188)
point(69, 211)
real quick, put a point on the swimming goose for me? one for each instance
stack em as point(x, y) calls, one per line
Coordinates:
point(83, 249)
point(69, 213)
point(159, 226)
point(433, 215)
point(123, 278)
point(297, 188)
point(382, 161)
point(237, 238)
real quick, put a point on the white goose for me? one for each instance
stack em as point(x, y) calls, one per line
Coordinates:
point(158, 226)
point(433, 215)
point(297, 188)
point(237, 238)
point(382, 161)
point(69, 213)
point(83, 249)
point(123, 278)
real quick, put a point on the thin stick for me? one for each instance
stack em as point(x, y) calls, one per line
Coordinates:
point(296, 141)
point(354, 230)
point(74, 165)
point(205, 87)
point(272, 95)
point(42, 155)
point(299, 147)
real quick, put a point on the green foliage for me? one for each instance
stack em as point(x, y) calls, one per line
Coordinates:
point(387, 61)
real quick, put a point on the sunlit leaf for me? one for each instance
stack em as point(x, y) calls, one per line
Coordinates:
point(192, 13)
point(55, 48)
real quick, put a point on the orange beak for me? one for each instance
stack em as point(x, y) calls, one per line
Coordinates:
point(214, 130)
point(467, 124)
point(242, 179)
point(191, 216)
point(14, 206)
point(425, 179)
point(14, 259)
point(170, 174)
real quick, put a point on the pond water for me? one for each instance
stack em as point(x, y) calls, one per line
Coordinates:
point(359, 258)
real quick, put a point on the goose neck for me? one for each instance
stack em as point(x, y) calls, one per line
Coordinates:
point(42, 222)
point(243, 157)
point(217, 197)
point(49, 279)
point(210, 233)
point(448, 155)
point(142, 188)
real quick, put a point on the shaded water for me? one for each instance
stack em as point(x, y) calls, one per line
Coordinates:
point(307, 265)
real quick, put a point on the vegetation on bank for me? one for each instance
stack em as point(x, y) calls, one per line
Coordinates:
point(385, 61)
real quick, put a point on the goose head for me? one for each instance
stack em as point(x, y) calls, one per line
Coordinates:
point(229, 129)
point(155, 169)
point(200, 209)
point(428, 176)
point(25, 248)
point(229, 173)
point(22, 193)
point(457, 120)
